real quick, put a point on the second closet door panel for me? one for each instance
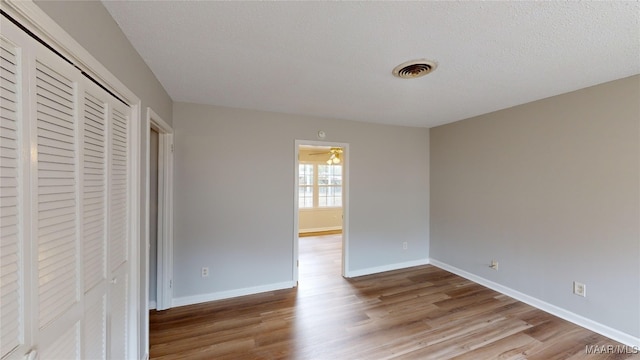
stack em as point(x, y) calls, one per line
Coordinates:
point(55, 105)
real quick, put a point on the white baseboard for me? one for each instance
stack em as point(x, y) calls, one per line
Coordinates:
point(390, 267)
point(329, 228)
point(152, 305)
point(594, 326)
point(201, 298)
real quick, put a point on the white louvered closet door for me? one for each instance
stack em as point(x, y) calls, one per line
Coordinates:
point(57, 205)
point(119, 172)
point(12, 179)
point(94, 221)
point(65, 186)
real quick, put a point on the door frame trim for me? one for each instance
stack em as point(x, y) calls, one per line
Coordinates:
point(164, 269)
point(345, 203)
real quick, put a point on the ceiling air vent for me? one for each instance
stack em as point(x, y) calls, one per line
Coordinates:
point(414, 69)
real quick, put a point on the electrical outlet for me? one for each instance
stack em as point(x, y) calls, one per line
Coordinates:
point(494, 265)
point(405, 245)
point(579, 289)
point(205, 272)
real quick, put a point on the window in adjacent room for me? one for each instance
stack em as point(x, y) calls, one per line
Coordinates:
point(329, 185)
point(305, 181)
point(320, 185)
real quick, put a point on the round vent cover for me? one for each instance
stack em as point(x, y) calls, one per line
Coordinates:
point(414, 69)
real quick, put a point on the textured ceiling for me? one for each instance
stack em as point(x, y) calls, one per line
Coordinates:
point(334, 59)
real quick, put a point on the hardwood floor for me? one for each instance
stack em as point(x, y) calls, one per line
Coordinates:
point(417, 313)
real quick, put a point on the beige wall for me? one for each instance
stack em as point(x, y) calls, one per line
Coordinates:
point(550, 189)
point(311, 220)
point(234, 201)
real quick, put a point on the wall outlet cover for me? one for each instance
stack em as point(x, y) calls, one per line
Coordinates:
point(579, 289)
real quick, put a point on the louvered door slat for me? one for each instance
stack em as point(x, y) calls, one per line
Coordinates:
point(54, 109)
point(6, 95)
point(62, 168)
point(5, 136)
point(57, 214)
point(7, 106)
point(51, 122)
point(57, 262)
point(11, 263)
point(93, 150)
point(56, 151)
point(9, 154)
point(49, 200)
point(93, 110)
point(118, 193)
point(56, 243)
point(59, 233)
point(94, 192)
point(49, 78)
point(8, 75)
point(93, 138)
point(9, 216)
point(8, 68)
point(52, 93)
point(51, 218)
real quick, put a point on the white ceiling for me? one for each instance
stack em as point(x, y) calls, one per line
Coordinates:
point(334, 59)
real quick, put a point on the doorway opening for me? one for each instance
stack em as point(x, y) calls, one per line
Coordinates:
point(156, 260)
point(159, 212)
point(321, 195)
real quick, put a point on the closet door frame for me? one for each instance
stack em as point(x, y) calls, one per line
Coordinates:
point(31, 17)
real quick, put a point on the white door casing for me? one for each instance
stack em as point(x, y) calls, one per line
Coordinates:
point(164, 257)
point(345, 203)
point(164, 262)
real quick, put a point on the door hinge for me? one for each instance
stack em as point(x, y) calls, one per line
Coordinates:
point(171, 147)
point(170, 284)
point(298, 263)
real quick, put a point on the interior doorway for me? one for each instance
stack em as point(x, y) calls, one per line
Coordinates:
point(156, 263)
point(154, 138)
point(159, 212)
point(321, 194)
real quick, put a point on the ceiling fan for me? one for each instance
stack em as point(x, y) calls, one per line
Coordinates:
point(334, 153)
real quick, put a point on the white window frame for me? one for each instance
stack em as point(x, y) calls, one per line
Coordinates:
point(312, 186)
point(316, 186)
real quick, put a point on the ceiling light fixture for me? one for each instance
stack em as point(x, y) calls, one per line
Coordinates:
point(334, 159)
point(414, 69)
point(335, 155)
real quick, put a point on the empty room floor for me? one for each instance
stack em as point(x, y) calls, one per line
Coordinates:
point(418, 313)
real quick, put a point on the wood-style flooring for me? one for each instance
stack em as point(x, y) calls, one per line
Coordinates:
point(418, 313)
